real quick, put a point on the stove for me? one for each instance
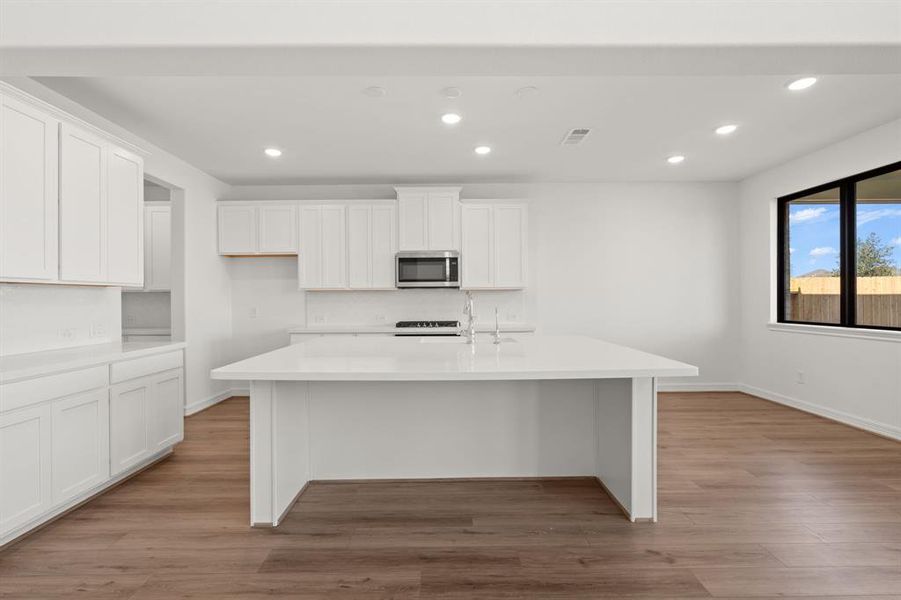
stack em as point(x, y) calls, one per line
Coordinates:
point(422, 327)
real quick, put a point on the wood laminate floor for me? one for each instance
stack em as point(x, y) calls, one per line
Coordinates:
point(756, 500)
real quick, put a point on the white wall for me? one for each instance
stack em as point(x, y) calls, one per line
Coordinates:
point(200, 282)
point(646, 265)
point(48, 317)
point(855, 380)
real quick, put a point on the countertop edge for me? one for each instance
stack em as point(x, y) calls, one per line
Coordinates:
point(108, 357)
point(376, 329)
point(444, 376)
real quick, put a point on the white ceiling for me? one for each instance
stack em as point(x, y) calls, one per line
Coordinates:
point(331, 132)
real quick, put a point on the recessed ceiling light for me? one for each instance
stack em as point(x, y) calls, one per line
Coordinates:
point(726, 129)
point(451, 118)
point(802, 83)
point(483, 150)
point(374, 91)
point(675, 159)
point(451, 92)
point(273, 152)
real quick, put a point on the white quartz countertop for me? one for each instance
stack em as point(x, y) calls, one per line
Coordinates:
point(451, 359)
point(363, 329)
point(35, 364)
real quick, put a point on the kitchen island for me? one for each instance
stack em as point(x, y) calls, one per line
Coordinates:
point(437, 407)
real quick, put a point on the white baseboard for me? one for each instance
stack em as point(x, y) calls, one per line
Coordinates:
point(884, 429)
point(196, 407)
point(698, 387)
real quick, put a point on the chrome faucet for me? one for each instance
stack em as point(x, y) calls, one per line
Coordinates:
point(497, 327)
point(469, 311)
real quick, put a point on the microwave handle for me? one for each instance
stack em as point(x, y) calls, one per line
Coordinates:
point(447, 269)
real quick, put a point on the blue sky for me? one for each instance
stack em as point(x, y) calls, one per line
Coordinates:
point(814, 233)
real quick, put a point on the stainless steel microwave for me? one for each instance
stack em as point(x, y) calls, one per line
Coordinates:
point(428, 269)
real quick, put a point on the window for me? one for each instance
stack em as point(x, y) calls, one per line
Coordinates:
point(840, 252)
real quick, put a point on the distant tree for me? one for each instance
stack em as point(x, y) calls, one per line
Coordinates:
point(874, 258)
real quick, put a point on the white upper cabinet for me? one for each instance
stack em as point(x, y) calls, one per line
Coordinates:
point(383, 245)
point(322, 249)
point(237, 228)
point(371, 245)
point(29, 154)
point(428, 218)
point(257, 228)
point(71, 199)
point(83, 206)
point(278, 229)
point(494, 245)
point(125, 210)
point(157, 247)
point(478, 249)
point(510, 245)
point(101, 195)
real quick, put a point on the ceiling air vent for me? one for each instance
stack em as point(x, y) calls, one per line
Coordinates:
point(575, 136)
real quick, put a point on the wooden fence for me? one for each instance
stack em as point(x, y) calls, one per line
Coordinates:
point(816, 299)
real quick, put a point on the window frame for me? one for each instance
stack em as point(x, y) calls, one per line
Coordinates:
point(847, 248)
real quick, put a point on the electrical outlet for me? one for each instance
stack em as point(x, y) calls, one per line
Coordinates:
point(320, 319)
point(97, 330)
point(130, 320)
point(381, 318)
point(66, 333)
point(254, 312)
point(799, 377)
point(511, 316)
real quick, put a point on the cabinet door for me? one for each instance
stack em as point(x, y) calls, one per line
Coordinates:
point(359, 243)
point(157, 248)
point(82, 206)
point(24, 466)
point(477, 254)
point(237, 229)
point(334, 248)
point(509, 246)
point(383, 245)
point(278, 228)
point(309, 251)
point(29, 160)
point(413, 220)
point(125, 222)
point(442, 219)
point(80, 443)
point(167, 410)
point(129, 440)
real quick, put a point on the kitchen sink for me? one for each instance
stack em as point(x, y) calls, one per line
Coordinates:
point(480, 340)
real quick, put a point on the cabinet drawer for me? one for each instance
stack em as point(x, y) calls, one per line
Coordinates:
point(138, 367)
point(32, 391)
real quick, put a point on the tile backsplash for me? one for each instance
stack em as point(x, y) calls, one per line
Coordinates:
point(48, 317)
point(387, 307)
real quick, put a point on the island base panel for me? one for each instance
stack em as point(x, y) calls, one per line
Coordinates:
point(305, 431)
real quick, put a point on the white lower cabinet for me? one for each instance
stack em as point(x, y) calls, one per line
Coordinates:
point(167, 407)
point(129, 423)
point(25, 445)
point(145, 417)
point(80, 443)
point(65, 436)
